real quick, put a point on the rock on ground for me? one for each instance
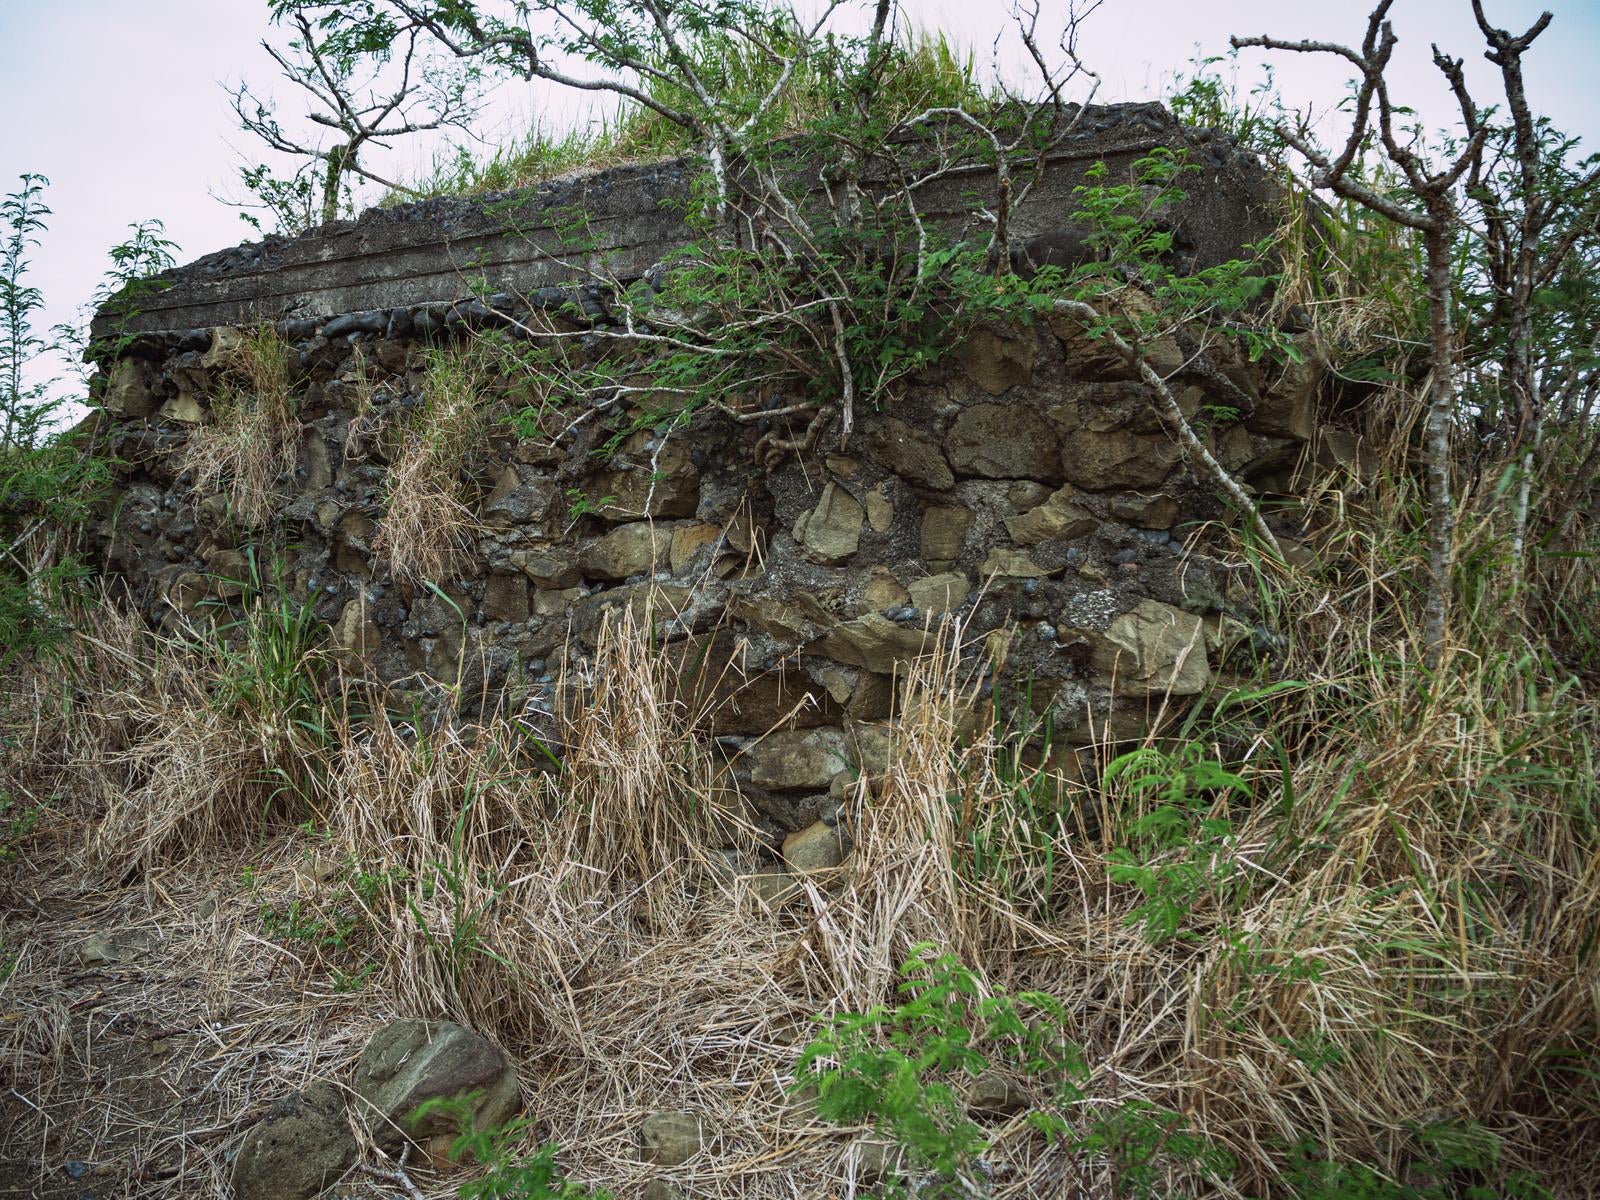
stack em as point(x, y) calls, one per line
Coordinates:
point(299, 1148)
point(410, 1061)
point(670, 1138)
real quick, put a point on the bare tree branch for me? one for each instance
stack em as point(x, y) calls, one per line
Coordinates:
point(1434, 215)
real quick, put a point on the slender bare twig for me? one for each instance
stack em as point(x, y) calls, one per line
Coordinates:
point(1171, 414)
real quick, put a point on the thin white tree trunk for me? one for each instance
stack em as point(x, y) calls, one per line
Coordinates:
point(1441, 413)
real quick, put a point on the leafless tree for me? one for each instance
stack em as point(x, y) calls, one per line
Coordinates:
point(1531, 218)
point(1432, 210)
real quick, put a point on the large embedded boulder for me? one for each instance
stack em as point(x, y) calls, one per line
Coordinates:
point(831, 532)
point(1003, 441)
point(1153, 648)
point(798, 760)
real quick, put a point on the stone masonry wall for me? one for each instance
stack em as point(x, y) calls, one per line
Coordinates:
point(1023, 488)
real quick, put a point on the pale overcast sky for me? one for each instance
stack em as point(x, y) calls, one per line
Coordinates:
point(121, 104)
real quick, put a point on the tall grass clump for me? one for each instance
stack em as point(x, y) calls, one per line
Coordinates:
point(426, 519)
point(1327, 927)
point(251, 444)
point(174, 744)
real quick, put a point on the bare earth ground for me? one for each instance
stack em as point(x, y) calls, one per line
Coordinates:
point(136, 1078)
point(139, 1077)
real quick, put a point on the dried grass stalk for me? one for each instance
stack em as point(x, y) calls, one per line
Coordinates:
point(252, 442)
point(427, 523)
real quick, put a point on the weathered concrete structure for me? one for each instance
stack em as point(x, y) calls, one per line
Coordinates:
point(627, 219)
point(1023, 487)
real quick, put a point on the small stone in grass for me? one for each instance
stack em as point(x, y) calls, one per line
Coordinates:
point(669, 1138)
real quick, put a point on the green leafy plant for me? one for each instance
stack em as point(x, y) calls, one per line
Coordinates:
point(1455, 1160)
point(1143, 287)
point(1180, 849)
point(19, 821)
point(290, 204)
point(269, 659)
point(307, 924)
point(24, 410)
point(343, 921)
point(505, 1175)
point(905, 1071)
point(579, 505)
point(47, 482)
point(347, 982)
point(136, 265)
point(1139, 1139)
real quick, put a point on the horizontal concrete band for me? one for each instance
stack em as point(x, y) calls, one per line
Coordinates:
point(617, 223)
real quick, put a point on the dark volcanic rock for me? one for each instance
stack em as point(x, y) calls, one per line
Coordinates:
point(299, 1148)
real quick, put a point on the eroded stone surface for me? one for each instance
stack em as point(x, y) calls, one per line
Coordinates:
point(1003, 441)
point(997, 361)
point(410, 1061)
point(818, 847)
point(114, 948)
point(1058, 518)
point(831, 532)
point(299, 1148)
point(627, 550)
point(1153, 648)
point(908, 452)
point(800, 760)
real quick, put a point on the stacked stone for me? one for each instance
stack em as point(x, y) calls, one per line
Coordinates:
point(1024, 490)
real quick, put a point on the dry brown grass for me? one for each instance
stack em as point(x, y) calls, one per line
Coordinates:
point(1408, 943)
point(252, 442)
point(426, 521)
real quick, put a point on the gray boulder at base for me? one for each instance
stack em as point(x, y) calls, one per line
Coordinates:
point(410, 1061)
point(300, 1147)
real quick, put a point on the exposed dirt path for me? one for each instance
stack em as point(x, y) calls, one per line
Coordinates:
point(143, 1030)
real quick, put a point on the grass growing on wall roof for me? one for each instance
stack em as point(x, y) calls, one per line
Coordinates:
point(928, 70)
